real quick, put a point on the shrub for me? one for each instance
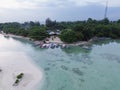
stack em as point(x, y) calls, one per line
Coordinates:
point(20, 76)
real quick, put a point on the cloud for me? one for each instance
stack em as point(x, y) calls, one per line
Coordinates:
point(16, 4)
point(31, 4)
point(39, 10)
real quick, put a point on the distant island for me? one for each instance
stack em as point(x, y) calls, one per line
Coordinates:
point(68, 32)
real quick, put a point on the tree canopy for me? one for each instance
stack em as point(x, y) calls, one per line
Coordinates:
point(38, 33)
point(68, 35)
point(70, 31)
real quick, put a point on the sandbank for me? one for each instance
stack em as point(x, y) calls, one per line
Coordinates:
point(14, 63)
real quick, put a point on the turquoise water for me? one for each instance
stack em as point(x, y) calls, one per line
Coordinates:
point(74, 68)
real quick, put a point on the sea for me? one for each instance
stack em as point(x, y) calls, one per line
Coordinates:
point(73, 68)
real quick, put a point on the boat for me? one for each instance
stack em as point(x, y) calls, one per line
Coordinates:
point(57, 46)
point(86, 47)
point(52, 45)
point(63, 46)
point(6, 36)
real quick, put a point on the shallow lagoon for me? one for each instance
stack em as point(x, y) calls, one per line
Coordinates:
point(74, 68)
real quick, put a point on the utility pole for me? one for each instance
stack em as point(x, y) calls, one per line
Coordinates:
point(106, 9)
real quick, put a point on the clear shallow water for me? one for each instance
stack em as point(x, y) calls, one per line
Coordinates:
point(74, 68)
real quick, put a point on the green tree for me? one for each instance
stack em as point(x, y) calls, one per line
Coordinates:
point(118, 21)
point(68, 36)
point(38, 33)
point(51, 24)
point(78, 28)
point(105, 21)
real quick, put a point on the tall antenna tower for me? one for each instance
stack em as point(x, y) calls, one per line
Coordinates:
point(106, 9)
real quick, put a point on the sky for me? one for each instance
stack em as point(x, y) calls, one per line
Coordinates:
point(59, 10)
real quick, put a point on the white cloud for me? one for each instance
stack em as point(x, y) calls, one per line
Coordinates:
point(54, 3)
point(111, 3)
point(14, 4)
point(23, 10)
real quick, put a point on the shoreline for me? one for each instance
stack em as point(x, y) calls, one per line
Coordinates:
point(12, 65)
point(17, 36)
point(56, 41)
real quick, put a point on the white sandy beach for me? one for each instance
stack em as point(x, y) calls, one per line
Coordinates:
point(14, 63)
point(54, 40)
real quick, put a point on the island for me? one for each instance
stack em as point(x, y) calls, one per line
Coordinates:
point(53, 34)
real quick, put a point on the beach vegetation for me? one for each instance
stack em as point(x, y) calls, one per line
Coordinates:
point(68, 35)
point(38, 33)
point(18, 79)
point(20, 76)
point(71, 31)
